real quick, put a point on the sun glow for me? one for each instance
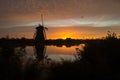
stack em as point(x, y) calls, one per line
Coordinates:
point(66, 35)
point(63, 33)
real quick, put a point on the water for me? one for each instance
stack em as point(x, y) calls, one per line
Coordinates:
point(52, 53)
point(65, 53)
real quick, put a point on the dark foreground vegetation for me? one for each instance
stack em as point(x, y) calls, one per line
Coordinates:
point(100, 60)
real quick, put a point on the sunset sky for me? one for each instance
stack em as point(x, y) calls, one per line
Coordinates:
point(64, 18)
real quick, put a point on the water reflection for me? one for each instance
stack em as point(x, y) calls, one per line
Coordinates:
point(40, 50)
point(57, 53)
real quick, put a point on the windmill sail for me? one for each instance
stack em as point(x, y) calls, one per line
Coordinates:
point(40, 35)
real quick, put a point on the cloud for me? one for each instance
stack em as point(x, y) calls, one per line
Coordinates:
point(14, 11)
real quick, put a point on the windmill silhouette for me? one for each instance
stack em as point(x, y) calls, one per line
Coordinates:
point(40, 34)
point(40, 37)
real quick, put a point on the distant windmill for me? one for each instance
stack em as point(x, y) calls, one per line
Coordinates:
point(40, 34)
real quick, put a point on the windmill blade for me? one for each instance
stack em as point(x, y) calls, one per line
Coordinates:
point(42, 19)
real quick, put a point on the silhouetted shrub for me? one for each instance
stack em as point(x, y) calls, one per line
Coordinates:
point(111, 36)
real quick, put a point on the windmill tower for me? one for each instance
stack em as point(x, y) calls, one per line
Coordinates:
point(40, 34)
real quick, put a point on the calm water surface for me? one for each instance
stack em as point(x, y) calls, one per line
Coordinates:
point(52, 53)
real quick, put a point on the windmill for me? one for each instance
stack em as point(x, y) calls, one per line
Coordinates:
point(40, 37)
point(40, 34)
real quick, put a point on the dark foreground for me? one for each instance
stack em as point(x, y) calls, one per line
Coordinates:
point(100, 60)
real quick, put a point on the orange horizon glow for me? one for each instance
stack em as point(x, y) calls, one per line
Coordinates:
point(65, 35)
point(60, 32)
point(73, 33)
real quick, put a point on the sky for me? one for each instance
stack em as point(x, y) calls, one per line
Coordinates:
point(20, 17)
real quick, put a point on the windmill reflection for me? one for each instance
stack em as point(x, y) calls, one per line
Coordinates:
point(40, 50)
